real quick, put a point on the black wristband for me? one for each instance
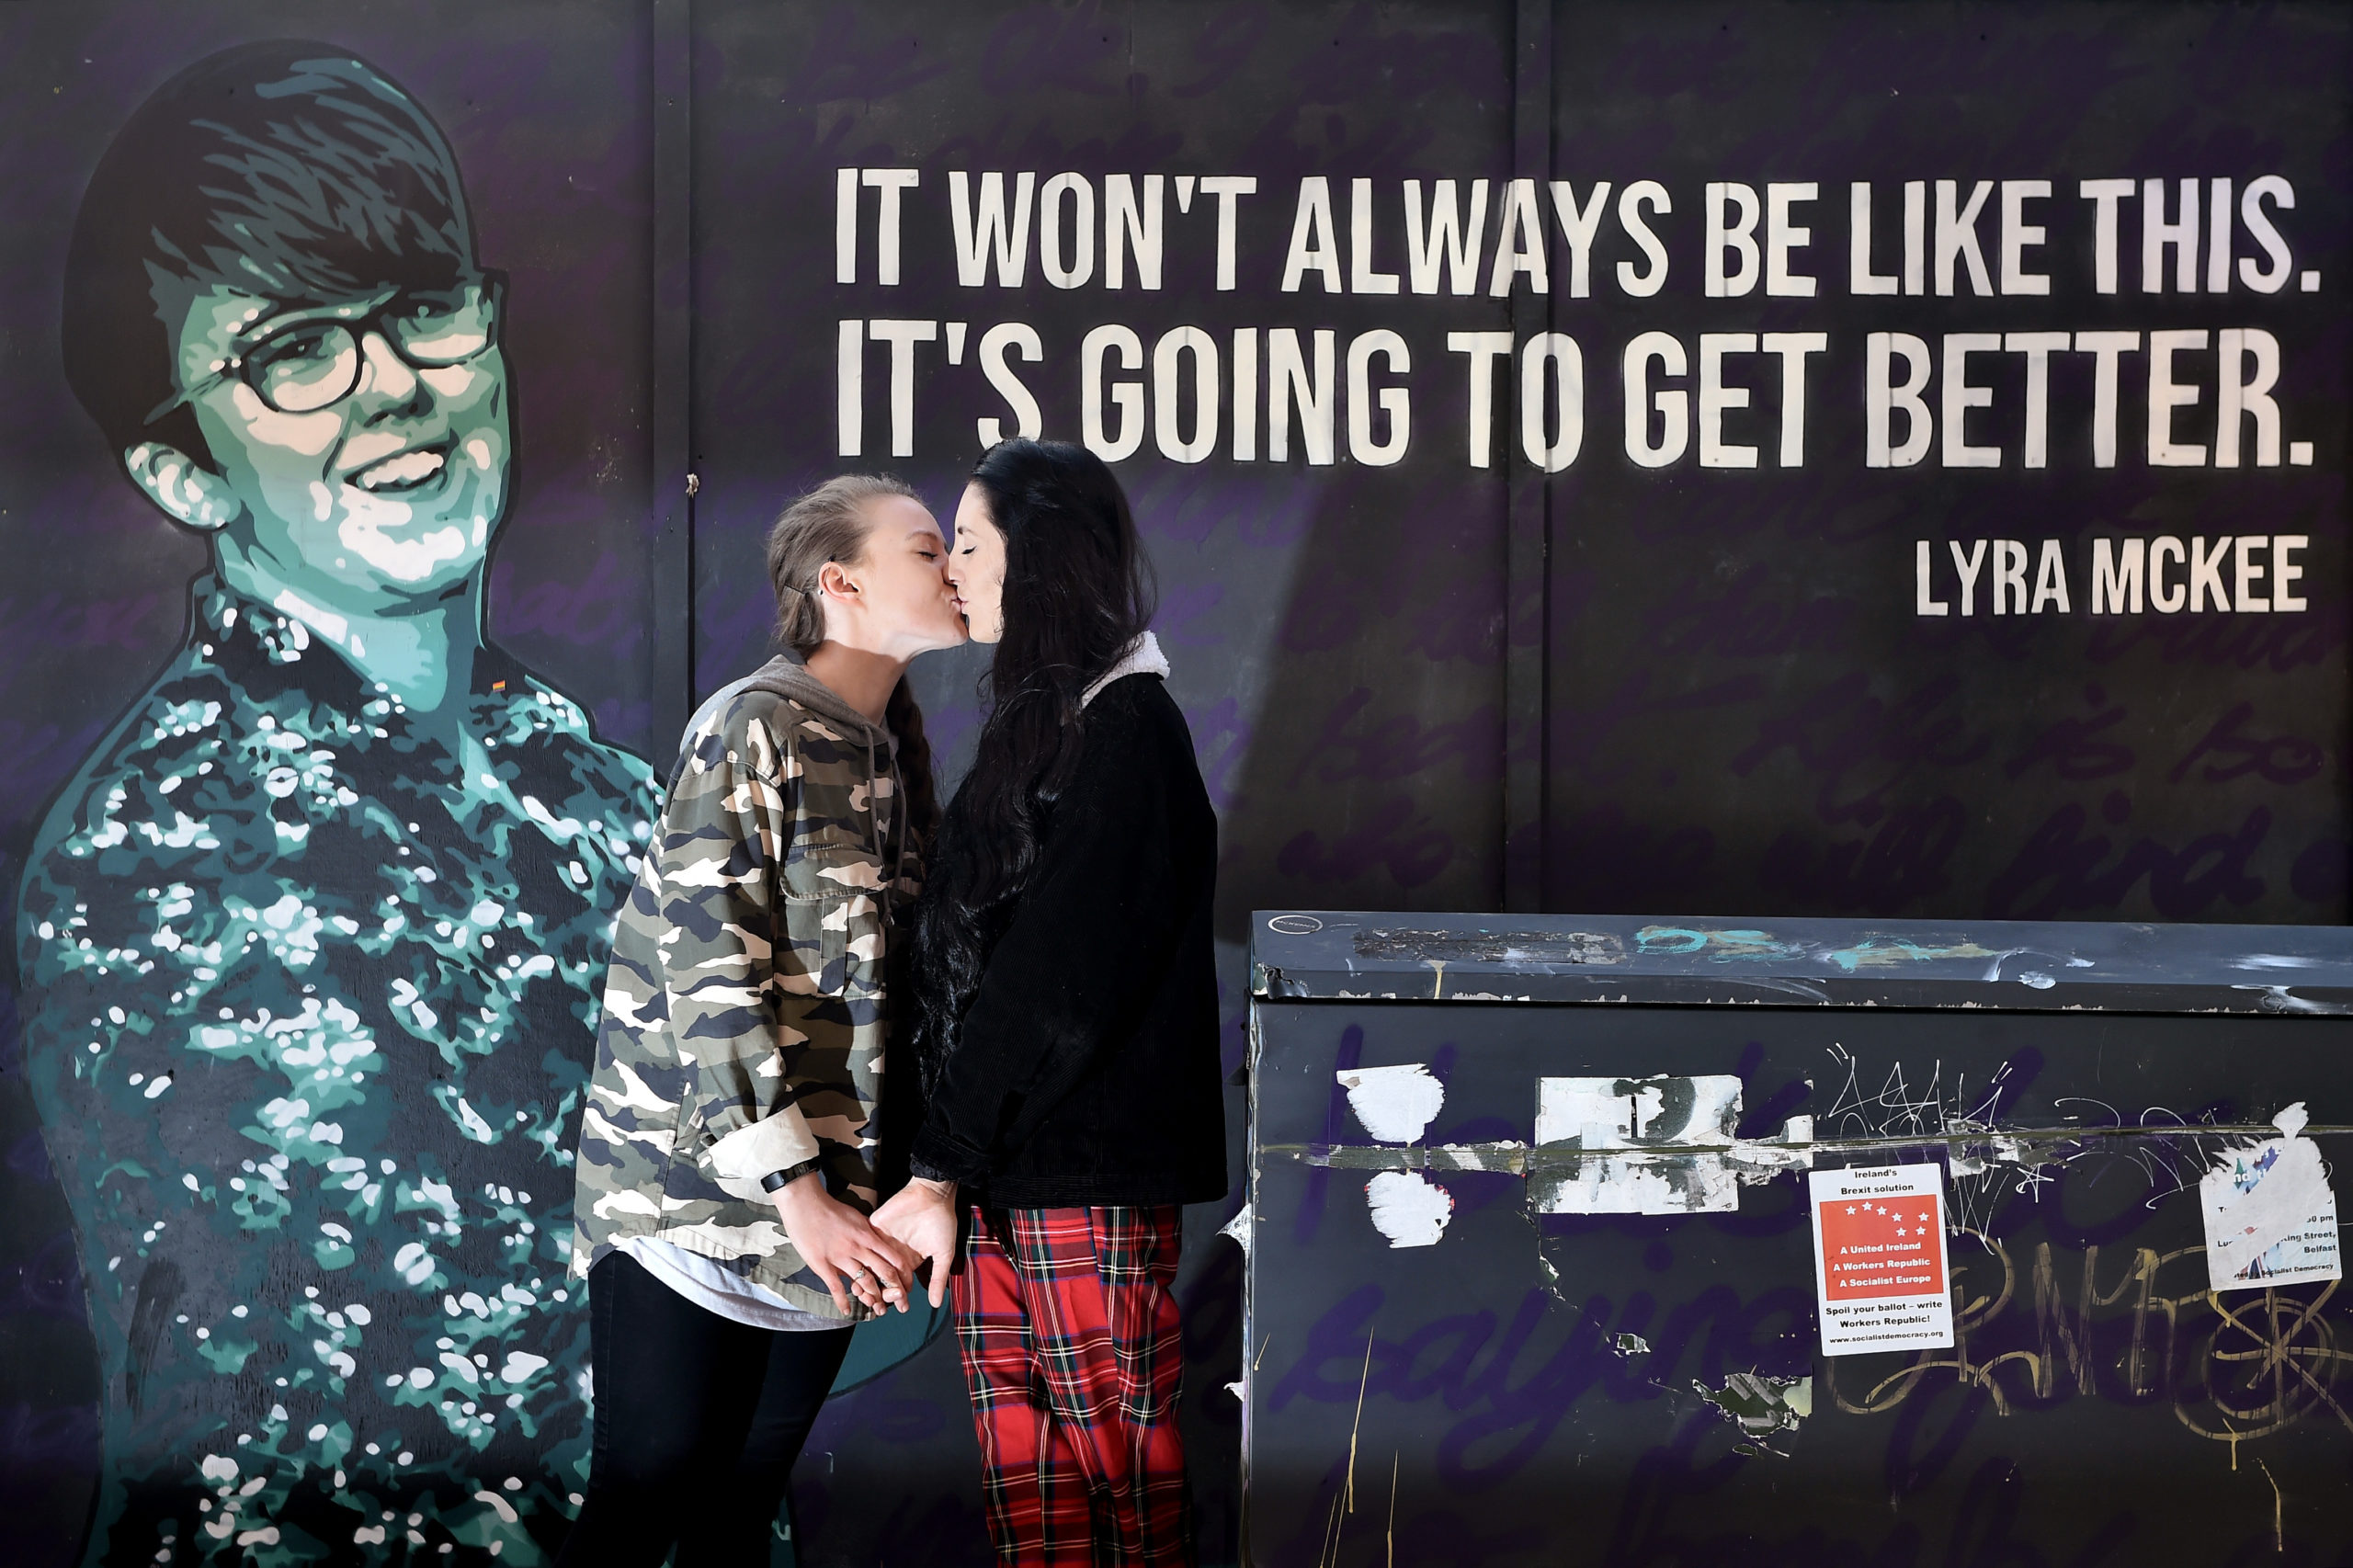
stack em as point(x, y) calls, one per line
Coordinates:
point(775, 1180)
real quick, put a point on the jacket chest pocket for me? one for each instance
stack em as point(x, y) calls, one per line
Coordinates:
point(832, 928)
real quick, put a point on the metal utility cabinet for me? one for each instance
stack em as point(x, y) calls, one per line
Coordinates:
point(1490, 1323)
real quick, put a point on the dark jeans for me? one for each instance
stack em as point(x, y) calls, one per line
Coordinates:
point(698, 1420)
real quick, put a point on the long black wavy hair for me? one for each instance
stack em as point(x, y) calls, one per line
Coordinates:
point(1078, 594)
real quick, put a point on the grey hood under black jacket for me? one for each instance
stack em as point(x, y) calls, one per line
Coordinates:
point(1086, 1070)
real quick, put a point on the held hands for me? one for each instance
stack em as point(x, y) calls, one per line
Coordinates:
point(838, 1243)
point(922, 1217)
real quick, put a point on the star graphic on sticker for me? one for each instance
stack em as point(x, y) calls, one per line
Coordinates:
point(1899, 1230)
point(1850, 1209)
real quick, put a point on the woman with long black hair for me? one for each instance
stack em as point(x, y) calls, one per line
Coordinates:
point(1065, 1022)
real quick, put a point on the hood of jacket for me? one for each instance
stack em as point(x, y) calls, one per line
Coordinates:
point(787, 675)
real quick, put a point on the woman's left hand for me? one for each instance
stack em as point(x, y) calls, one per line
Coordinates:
point(921, 1216)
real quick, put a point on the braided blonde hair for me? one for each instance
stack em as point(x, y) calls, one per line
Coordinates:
point(831, 524)
point(828, 525)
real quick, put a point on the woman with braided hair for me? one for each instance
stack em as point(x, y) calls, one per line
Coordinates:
point(728, 1149)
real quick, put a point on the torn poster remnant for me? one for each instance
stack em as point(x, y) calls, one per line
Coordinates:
point(1621, 1113)
point(1408, 1208)
point(1640, 1183)
point(1760, 1405)
point(1240, 1229)
point(1656, 1145)
point(2271, 1217)
point(1396, 1105)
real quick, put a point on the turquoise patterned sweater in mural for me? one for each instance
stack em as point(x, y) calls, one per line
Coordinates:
point(311, 996)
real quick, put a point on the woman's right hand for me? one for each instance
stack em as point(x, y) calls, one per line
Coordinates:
point(840, 1244)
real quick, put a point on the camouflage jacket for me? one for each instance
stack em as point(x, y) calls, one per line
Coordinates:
point(745, 1014)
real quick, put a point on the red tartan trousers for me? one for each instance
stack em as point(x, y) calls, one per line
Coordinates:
point(1072, 1348)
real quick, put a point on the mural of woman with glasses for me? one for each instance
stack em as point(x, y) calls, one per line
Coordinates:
point(312, 940)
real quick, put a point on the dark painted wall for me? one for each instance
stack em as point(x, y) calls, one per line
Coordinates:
point(1745, 711)
point(1419, 686)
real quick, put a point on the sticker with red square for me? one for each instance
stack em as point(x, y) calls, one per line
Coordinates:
point(1878, 1238)
point(1882, 1246)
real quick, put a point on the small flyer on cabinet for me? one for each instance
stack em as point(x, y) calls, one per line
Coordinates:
point(2270, 1215)
point(1879, 1239)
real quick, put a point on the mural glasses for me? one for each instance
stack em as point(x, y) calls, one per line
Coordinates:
point(314, 363)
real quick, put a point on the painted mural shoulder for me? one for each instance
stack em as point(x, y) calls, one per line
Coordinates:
point(535, 707)
point(116, 815)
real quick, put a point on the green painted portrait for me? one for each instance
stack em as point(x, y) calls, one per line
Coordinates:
point(312, 940)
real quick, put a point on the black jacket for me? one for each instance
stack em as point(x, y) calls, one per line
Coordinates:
point(1086, 1070)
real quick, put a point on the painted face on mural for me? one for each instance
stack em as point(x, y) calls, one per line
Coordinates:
point(976, 567)
point(358, 447)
